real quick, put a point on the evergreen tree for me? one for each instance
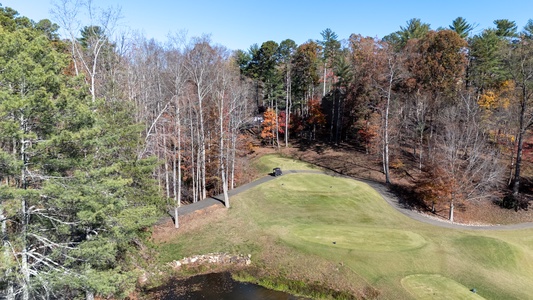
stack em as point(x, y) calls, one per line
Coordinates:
point(305, 71)
point(462, 27)
point(415, 29)
point(506, 28)
point(486, 65)
point(330, 49)
point(74, 196)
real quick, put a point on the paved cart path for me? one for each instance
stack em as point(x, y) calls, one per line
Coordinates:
point(382, 189)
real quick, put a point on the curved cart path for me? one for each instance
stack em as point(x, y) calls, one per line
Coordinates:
point(391, 199)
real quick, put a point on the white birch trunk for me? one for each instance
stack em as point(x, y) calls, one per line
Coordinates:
point(199, 175)
point(192, 154)
point(221, 151)
point(202, 150)
point(325, 74)
point(10, 292)
point(177, 157)
point(451, 210)
point(24, 266)
point(165, 158)
point(386, 129)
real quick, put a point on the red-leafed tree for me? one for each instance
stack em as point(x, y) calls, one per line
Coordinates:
point(282, 123)
point(369, 133)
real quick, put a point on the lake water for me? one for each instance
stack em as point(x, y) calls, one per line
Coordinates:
point(216, 286)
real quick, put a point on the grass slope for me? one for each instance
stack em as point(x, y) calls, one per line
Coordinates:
point(266, 163)
point(341, 233)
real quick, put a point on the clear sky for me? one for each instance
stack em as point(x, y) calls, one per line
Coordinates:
point(237, 24)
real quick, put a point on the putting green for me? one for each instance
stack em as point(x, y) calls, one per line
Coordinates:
point(358, 238)
point(488, 252)
point(303, 224)
point(434, 287)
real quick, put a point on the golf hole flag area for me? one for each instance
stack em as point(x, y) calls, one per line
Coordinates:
point(342, 233)
point(346, 221)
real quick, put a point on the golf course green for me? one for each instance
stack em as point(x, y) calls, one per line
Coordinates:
point(319, 228)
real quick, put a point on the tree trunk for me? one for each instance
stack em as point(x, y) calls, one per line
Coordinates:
point(177, 169)
point(511, 165)
point(287, 109)
point(176, 216)
point(277, 126)
point(199, 174)
point(156, 150)
point(325, 74)
point(24, 266)
point(203, 154)
point(338, 122)
point(386, 129)
point(451, 210)
point(93, 80)
point(333, 104)
point(175, 173)
point(221, 151)
point(520, 142)
point(224, 186)
point(287, 113)
point(165, 158)
point(25, 269)
point(421, 144)
point(10, 292)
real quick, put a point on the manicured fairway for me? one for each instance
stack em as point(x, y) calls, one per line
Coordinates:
point(363, 239)
point(437, 287)
point(328, 227)
point(346, 221)
point(266, 163)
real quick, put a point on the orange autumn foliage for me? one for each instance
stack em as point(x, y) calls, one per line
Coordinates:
point(316, 116)
point(435, 186)
point(269, 125)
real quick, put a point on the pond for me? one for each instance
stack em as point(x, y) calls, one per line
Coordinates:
point(216, 286)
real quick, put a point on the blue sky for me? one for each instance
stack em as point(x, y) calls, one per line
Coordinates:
point(237, 24)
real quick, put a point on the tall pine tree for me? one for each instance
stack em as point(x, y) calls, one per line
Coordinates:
point(74, 197)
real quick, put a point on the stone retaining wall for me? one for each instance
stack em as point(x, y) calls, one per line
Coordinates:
point(213, 258)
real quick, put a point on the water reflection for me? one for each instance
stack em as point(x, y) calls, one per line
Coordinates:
point(217, 286)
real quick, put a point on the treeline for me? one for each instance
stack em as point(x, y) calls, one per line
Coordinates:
point(453, 105)
point(101, 130)
point(187, 93)
point(75, 197)
point(101, 133)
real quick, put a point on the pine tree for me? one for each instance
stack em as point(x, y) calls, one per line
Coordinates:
point(74, 196)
